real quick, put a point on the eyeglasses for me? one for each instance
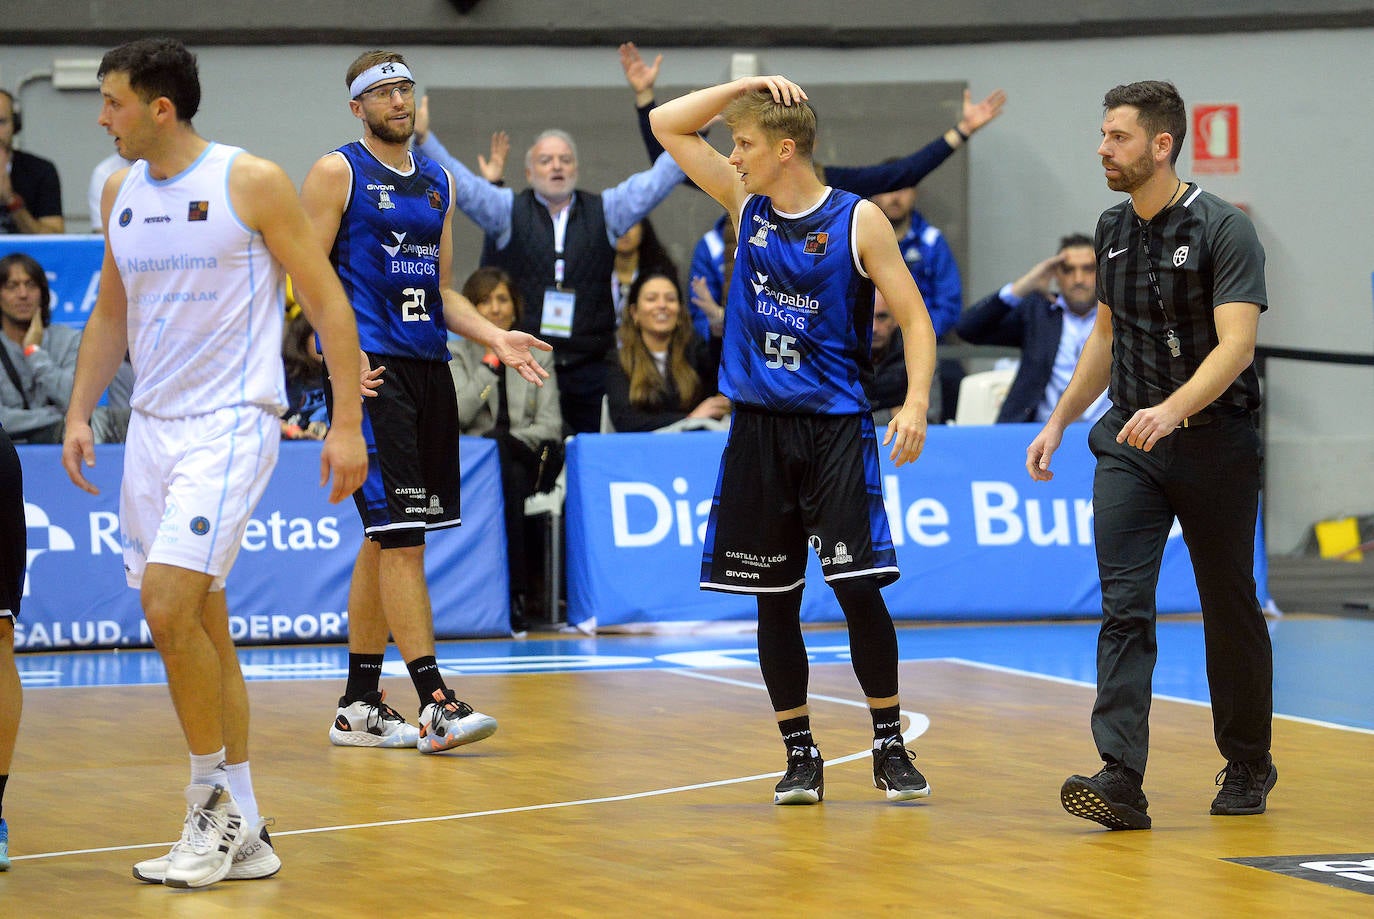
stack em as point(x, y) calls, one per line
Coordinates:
point(384, 93)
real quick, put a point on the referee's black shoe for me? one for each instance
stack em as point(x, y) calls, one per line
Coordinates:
point(804, 780)
point(894, 773)
point(1245, 787)
point(1112, 798)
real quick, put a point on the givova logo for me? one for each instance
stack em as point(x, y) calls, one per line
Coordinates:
point(43, 536)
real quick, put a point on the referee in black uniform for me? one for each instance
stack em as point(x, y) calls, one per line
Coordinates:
point(1180, 280)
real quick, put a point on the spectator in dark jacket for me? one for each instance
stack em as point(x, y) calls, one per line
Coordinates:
point(661, 373)
point(1048, 326)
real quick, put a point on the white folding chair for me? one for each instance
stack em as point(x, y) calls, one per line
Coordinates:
point(981, 396)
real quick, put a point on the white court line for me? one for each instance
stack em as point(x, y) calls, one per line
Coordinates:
point(918, 725)
point(1299, 719)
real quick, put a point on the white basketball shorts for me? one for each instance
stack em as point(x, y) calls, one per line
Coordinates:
point(190, 486)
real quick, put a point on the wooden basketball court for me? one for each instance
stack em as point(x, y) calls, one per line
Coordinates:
point(649, 793)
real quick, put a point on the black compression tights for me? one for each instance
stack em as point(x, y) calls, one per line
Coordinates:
point(872, 643)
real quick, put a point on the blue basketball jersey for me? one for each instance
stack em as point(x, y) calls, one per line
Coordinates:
point(799, 318)
point(387, 254)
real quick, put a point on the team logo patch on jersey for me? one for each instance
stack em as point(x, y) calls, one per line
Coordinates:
point(760, 237)
point(198, 211)
point(436, 200)
point(384, 202)
point(816, 243)
point(200, 526)
point(126, 216)
point(1180, 256)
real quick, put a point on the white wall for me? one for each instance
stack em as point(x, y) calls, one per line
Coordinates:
point(1306, 133)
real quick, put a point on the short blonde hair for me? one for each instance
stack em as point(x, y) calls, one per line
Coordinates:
point(777, 121)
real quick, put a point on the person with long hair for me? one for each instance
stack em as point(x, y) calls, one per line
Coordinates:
point(524, 419)
point(662, 372)
point(638, 250)
point(306, 416)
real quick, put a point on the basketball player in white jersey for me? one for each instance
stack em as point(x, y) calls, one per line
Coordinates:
point(198, 239)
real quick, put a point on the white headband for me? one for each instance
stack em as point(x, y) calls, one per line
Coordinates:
point(389, 70)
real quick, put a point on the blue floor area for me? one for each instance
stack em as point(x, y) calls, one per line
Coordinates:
point(1321, 665)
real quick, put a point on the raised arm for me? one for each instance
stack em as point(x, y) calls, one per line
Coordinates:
point(909, 170)
point(485, 204)
point(631, 201)
point(641, 78)
point(676, 124)
point(461, 318)
point(640, 75)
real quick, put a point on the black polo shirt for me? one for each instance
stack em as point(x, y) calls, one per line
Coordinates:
point(1205, 253)
point(35, 180)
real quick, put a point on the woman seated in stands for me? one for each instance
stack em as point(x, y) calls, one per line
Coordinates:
point(306, 417)
point(637, 251)
point(662, 373)
point(495, 401)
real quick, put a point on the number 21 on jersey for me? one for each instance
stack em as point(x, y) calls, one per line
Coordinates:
point(780, 352)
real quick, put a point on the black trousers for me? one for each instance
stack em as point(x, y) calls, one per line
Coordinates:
point(581, 387)
point(1209, 478)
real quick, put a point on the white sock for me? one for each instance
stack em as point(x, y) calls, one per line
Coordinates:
point(208, 769)
point(241, 787)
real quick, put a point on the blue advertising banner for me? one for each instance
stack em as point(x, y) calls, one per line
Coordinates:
point(290, 582)
point(72, 264)
point(975, 537)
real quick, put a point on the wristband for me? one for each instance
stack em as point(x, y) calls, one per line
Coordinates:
point(16, 202)
point(960, 133)
point(28, 350)
point(492, 362)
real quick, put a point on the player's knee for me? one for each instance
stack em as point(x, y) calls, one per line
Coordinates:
point(169, 623)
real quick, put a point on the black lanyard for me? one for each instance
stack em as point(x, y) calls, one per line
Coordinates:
point(1170, 336)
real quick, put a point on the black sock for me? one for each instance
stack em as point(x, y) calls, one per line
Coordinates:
point(3, 780)
point(364, 675)
point(796, 732)
point(424, 673)
point(887, 722)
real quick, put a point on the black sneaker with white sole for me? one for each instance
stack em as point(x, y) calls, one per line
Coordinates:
point(804, 781)
point(894, 773)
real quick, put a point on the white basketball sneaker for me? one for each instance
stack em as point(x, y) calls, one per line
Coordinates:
point(449, 722)
point(370, 722)
point(211, 835)
point(255, 859)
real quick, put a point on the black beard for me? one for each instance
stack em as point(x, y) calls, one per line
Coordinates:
point(1133, 175)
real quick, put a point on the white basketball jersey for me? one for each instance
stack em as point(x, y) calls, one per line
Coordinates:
point(205, 297)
